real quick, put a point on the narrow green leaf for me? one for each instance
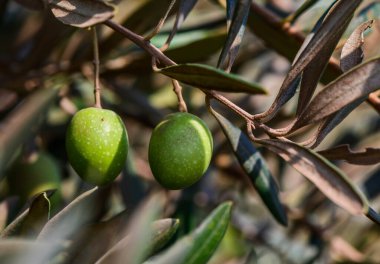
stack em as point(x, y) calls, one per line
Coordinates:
point(85, 209)
point(210, 78)
point(351, 87)
point(37, 217)
point(237, 15)
point(198, 247)
point(255, 167)
point(163, 230)
point(324, 175)
point(22, 122)
point(81, 13)
point(136, 245)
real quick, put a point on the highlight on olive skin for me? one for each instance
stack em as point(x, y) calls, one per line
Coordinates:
point(97, 145)
point(180, 150)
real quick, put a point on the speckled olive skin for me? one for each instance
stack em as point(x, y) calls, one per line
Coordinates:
point(180, 150)
point(97, 145)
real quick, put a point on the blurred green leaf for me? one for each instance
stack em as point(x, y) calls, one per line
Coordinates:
point(22, 122)
point(198, 247)
point(17, 251)
point(302, 9)
point(81, 13)
point(207, 77)
point(37, 217)
point(136, 245)
point(325, 176)
point(255, 167)
point(29, 223)
point(85, 209)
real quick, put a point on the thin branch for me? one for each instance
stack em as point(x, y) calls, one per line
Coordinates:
point(178, 91)
point(141, 42)
point(96, 69)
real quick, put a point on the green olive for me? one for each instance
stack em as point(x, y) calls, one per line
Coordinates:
point(180, 150)
point(97, 145)
point(38, 173)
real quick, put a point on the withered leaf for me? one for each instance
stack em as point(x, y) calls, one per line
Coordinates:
point(337, 18)
point(369, 156)
point(324, 175)
point(81, 13)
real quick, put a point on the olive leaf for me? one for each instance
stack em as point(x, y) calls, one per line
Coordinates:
point(22, 122)
point(352, 52)
point(81, 13)
point(255, 167)
point(352, 55)
point(31, 221)
point(313, 72)
point(351, 88)
point(184, 8)
point(16, 251)
point(324, 175)
point(370, 156)
point(237, 15)
point(199, 245)
point(336, 19)
point(210, 78)
point(136, 245)
point(85, 209)
point(302, 9)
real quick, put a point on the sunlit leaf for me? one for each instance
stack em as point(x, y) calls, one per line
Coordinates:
point(324, 175)
point(81, 13)
point(199, 245)
point(352, 52)
point(254, 165)
point(210, 78)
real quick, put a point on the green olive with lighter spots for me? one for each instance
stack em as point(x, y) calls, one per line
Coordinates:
point(180, 150)
point(97, 145)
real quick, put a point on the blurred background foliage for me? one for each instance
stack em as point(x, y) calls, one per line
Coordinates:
point(38, 52)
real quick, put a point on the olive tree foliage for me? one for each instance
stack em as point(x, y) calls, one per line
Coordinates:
point(289, 89)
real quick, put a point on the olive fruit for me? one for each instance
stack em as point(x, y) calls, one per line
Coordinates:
point(34, 175)
point(97, 145)
point(180, 150)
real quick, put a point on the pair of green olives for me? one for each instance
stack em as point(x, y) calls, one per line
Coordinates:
point(180, 147)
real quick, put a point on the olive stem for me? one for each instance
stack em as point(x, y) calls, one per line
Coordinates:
point(96, 63)
point(177, 88)
point(158, 55)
